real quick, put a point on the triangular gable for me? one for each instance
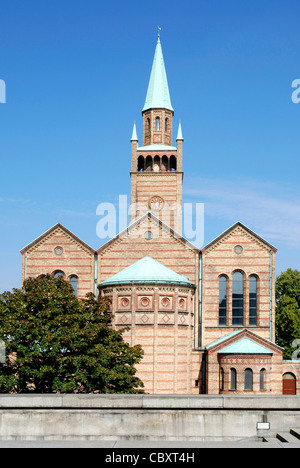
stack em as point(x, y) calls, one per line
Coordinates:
point(231, 229)
point(243, 342)
point(245, 345)
point(50, 231)
point(158, 222)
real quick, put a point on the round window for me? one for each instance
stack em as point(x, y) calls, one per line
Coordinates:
point(148, 235)
point(238, 249)
point(58, 250)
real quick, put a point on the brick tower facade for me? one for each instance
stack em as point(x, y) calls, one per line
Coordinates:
point(156, 167)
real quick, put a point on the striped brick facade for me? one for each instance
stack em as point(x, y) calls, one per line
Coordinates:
point(59, 250)
point(161, 320)
point(182, 330)
point(164, 325)
point(255, 257)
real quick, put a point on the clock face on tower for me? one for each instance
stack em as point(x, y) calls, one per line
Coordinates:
point(156, 203)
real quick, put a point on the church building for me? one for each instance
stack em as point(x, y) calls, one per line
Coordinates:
point(204, 318)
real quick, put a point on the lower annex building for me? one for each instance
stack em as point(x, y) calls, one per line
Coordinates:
point(204, 318)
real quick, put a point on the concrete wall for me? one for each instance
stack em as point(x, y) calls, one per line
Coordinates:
point(116, 417)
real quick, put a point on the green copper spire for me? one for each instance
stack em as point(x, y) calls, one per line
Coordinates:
point(158, 96)
point(179, 134)
point(134, 134)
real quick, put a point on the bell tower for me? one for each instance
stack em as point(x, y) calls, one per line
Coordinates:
point(156, 167)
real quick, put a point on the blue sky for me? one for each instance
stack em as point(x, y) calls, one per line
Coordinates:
point(76, 75)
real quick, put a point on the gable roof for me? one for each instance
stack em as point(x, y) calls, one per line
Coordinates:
point(135, 223)
point(243, 342)
point(54, 228)
point(245, 346)
point(147, 270)
point(234, 226)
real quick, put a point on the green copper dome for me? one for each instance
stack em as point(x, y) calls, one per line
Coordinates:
point(158, 96)
point(147, 270)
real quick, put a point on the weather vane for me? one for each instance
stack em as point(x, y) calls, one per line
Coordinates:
point(159, 29)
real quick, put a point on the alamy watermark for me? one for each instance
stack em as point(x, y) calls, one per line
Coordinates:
point(2, 92)
point(114, 219)
point(296, 353)
point(296, 93)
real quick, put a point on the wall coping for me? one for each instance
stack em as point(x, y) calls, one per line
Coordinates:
point(144, 402)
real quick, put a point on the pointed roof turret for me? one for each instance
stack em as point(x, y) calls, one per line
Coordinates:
point(158, 96)
point(134, 134)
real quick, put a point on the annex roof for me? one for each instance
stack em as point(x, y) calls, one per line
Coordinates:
point(245, 346)
point(243, 341)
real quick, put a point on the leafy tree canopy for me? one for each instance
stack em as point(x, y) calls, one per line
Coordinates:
point(288, 311)
point(58, 343)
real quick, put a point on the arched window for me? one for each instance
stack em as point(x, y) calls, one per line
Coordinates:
point(58, 273)
point(222, 300)
point(148, 125)
point(173, 163)
point(141, 163)
point(262, 380)
point(221, 378)
point(149, 163)
point(166, 124)
point(252, 300)
point(237, 298)
point(164, 163)
point(157, 124)
point(156, 165)
point(248, 379)
point(74, 282)
point(233, 379)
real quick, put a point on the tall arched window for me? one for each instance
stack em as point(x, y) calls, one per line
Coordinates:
point(173, 164)
point(248, 379)
point(233, 379)
point(262, 380)
point(141, 163)
point(156, 165)
point(148, 125)
point(222, 300)
point(149, 164)
point(222, 379)
point(157, 124)
point(237, 298)
point(74, 282)
point(252, 300)
point(166, 124)
point(165, 163)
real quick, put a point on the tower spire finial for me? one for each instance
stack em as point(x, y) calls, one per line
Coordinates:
point(158, 30)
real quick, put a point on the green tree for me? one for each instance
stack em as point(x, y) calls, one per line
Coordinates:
point(58, 343)
point(288, 310)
